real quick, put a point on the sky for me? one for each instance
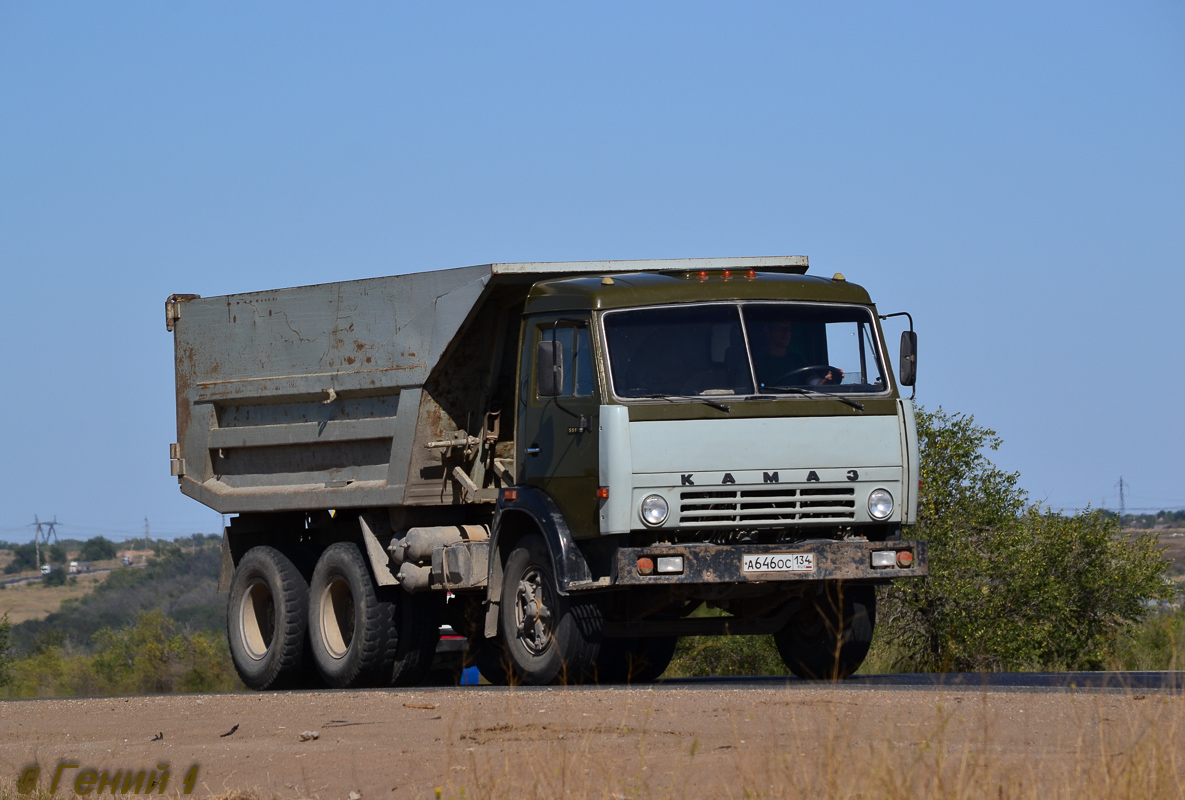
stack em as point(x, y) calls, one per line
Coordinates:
point(1013, 174)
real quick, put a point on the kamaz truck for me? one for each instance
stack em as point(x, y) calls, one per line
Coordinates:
point(571, 464)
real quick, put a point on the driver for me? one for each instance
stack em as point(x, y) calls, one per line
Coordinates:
point(775, 359)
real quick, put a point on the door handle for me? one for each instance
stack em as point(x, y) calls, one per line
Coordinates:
point(533, 450)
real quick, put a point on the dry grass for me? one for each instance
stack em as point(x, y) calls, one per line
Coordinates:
point(35, 600)
point(845, 744)
point(960, 748)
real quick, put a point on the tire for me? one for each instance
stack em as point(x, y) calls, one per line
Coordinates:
point(266, 619)
point(546, 636)
point(351, 629)
point(489, 657)
point(417, 636)
point(821, 643)
point(632, 660)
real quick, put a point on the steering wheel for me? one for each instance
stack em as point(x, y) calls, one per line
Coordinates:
point(802, 375)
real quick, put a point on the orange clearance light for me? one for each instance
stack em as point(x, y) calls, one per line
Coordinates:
point(603, 493)
point(510, 495)
point(645, 566)
point(750, 274)
point(904, 559)
point(726, 275)
point(703, 275)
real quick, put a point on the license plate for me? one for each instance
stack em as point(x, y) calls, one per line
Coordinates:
point(778, 562)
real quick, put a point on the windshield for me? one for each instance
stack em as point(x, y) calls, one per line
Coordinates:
point(742, 348)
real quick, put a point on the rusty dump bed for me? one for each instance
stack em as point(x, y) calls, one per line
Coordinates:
point(324, 396)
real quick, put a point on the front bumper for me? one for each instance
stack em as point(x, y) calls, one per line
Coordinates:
point(722, 564)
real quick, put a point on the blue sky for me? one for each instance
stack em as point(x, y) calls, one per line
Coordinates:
point(1011, 173)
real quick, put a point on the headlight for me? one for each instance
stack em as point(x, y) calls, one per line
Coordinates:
point(654, 510)
point(880, 504)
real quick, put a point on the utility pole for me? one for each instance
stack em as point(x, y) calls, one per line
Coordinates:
point(1122, 505)
point(147, 538)
point(37, 540)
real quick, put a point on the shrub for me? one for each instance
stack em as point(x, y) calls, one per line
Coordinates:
point(1010, 587)
point(5, 658)
point(704, 656)
point(152, 657)
point(55, 577)
point(1158, 642)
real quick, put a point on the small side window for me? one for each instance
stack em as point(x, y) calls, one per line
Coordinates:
point(575, 356)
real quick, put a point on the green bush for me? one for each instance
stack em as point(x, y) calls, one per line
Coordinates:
point(152, 657)
point(1157, 642)
point(55, 577)
point(1011, 587)
point(705, 656)
point(5, 657)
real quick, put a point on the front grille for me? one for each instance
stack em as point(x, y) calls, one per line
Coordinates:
point(764, 507)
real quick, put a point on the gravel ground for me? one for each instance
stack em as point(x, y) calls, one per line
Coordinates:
point(711, 740)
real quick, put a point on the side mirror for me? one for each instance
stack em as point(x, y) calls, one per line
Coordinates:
point(909, 358)
point(549, 368)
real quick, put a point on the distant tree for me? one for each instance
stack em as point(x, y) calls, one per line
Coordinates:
point(24, 557)
point(97, 549)
point(55, 577)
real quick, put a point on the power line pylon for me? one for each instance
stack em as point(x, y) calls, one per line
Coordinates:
point(42, 532)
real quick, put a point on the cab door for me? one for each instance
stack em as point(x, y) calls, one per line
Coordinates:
point(557, 436)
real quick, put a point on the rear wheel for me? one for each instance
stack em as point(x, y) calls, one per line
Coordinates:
point(828, 638)
point(351, 628)
point(547, 637)
point(489, 657)
point(640, 660)
point(266, 620)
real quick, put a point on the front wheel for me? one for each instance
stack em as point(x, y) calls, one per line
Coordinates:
point(547, 637)
point(829, 636)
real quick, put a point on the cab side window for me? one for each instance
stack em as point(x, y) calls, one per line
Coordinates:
point(575, 356)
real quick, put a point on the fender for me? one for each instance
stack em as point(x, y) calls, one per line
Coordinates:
point(571, 567)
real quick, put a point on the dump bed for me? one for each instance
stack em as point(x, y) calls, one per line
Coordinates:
point(324, 396)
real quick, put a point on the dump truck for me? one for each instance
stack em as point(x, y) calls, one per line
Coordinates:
point(570, 464)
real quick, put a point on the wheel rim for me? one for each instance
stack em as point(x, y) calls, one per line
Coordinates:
point(337, 617)
point(532, 611)
point(257, 620)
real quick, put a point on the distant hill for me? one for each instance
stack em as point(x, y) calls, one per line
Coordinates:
point(180, 583)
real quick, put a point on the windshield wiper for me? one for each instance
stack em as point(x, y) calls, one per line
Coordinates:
point(813, 393)
point(673, 397)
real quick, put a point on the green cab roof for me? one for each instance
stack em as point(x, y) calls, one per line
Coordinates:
point(621, 290)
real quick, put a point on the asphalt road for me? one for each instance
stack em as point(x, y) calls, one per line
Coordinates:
point(1170, 681)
